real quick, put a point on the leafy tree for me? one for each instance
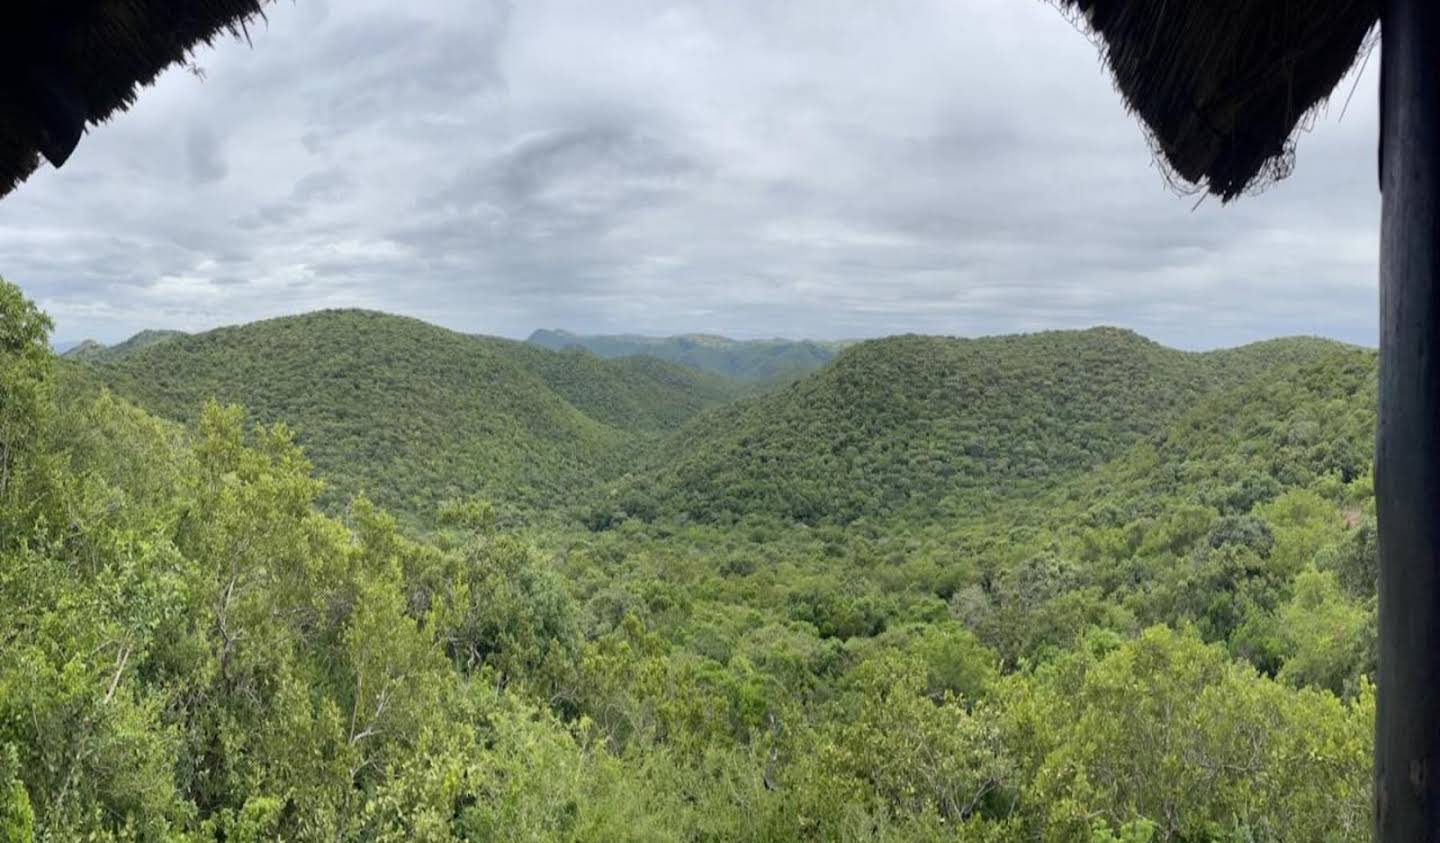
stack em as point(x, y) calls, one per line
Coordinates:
point(1331, 639)
point(17, 818)
point(1166, 729)
point(25, 386)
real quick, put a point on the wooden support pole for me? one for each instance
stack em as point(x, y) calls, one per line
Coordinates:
point(1407, 446)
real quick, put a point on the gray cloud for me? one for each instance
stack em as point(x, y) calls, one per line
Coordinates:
point(204, 156)
point(733, 166)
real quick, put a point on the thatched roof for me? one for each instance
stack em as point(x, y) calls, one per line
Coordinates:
point(1222, 85)
point(65, 64)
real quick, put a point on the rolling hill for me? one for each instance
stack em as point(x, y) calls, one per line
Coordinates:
point(902, 424)
point(911, 426)
point(754, 361)
point(636, 394)
point(413, 414)
point(1311, 414)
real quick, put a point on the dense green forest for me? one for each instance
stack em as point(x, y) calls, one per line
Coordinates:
point(764, 362)
point(916, 425)
point(413, 415)
point(1071, 586)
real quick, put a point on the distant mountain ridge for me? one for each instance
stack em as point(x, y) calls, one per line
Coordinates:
point(92, 350)
point(755, 361)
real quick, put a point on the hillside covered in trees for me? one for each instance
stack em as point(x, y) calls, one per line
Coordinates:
point(414, 415)
point(752, 361)
point(909, 424)
point(1071, 586)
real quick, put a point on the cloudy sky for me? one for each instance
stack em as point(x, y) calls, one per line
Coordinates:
point(742, 167)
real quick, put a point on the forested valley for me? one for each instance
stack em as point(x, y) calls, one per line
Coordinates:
point(350, 576)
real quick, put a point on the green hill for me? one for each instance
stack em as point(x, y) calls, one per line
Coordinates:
point(84, 350)
point(1284, 415)
point(754, 361)
point(636, 394)
point(901, 423)
point(412, 414)
point(92, 350)
point(1311, 414)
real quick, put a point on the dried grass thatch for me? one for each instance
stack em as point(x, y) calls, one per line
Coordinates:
point(65, 64)
point(1222, 85)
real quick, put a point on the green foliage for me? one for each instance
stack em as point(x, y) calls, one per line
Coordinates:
point(1060, 587)
point(25, 374)
point(955, 660)
point(633, 394)
point(413, 415)
point(927, 426)
point(1135, 831)
point(499, 608)
point(1331, 640)
point(1167, 729)
point(17, 818)
point(949, 762)
point(467, 514)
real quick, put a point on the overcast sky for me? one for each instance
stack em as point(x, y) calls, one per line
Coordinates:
point(743, 167)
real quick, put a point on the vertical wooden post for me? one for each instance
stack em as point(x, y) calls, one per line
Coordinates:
point(1407, 447)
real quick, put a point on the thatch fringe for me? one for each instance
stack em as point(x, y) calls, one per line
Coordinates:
point(1222, 85)
point(66, 64)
